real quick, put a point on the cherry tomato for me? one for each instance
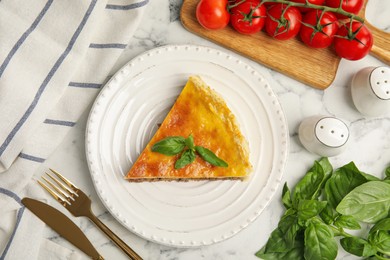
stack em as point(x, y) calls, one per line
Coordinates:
point(248, 17)
point(314, 2)
point(318, 28)
point(213, 14)
point(351, 6)
point(269, 4)
point(283, 22)
point(353, 41)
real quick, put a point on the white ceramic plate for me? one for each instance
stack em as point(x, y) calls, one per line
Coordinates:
point(125, 116)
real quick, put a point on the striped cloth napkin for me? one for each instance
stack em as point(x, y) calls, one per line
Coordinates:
point(54, 57)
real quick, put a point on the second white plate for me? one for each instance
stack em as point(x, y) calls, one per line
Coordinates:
point(125, 116)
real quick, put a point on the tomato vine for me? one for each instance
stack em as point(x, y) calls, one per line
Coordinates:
point(318, 23)
point(324, 8)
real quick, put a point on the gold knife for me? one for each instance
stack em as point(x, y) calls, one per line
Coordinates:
point(62, 225)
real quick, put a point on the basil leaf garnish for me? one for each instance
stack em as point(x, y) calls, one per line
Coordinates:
point(170, 146)
point(174, 145)
point(210, 157)
point(190, 142)
point(186, 158)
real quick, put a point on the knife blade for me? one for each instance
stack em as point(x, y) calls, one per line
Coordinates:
point(62, 225)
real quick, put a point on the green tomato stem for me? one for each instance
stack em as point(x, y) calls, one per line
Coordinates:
point(230, 6)
point(337, 10)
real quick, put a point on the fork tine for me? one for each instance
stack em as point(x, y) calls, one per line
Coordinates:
point(58, 190)
point(68, 182)
point(55, 195)
point(71, 193)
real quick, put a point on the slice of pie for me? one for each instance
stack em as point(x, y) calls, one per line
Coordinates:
point(201, 113)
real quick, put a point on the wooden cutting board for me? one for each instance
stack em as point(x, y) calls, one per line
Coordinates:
point(314, 67)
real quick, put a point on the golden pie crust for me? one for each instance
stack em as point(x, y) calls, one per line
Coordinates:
point(202, 112)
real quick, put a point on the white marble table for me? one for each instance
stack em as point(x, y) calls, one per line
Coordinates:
point(369, 145)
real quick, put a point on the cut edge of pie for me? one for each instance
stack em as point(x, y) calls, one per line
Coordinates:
point(203, 113)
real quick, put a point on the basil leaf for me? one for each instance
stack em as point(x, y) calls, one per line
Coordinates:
point(186, 158)
point(387, 174)
point(290, 227)
point(295, 253)
point(369, 177)
point(357, 246)
point(286, 197)
point(210, 157)
point(381, 240)
point(283, 238)
point(277, 243)
point(261, 253)
point(289, 212)
point(343, 180)
point(326, 166)
point(383, 224)
point(328, 214)
point(375, 257)
point(310, 208)
point(319, 242)
point(348, 222)
point(368, 203)
point(170, 146)
point(309, 186)
point(190, 142)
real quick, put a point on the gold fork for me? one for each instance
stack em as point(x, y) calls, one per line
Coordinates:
point(78, 203)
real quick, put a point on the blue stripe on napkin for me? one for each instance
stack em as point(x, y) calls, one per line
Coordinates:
point(31, 158)
point(53, 70)
point(107, 45)
point(12, 195)
point(126, 7)
point(59, 122)
point(84, 85)
point(18, 218)
point(24, 36)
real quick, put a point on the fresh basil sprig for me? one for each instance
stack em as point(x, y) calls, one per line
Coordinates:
point(210, 157)
point(174, 145)
point(186, 158)
point(324, 203)
point(170, 146)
